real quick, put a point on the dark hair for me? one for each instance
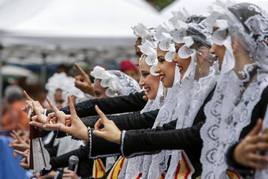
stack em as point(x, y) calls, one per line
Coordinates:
point(63, 68)
point(14, 97)
point(195, 19)
point(138, 51)
point(199, 38)
point(242, 12)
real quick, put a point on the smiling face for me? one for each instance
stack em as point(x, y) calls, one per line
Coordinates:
point(218, 51)
point(147, 81)
point(166, 70)
point(182, 63)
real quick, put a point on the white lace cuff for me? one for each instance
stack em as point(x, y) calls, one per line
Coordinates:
point(122, 142)
point(89, 133)
point(93, 146)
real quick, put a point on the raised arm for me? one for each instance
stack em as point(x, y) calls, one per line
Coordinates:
point(120, 104)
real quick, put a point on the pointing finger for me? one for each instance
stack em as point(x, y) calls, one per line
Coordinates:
point(27, 96)
point(71, 107)
point(81, 71)
point(52, 106)
point(100, 113)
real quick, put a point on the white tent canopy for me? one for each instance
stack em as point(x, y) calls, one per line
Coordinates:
point(197, 7)
point(144, 5)
point(79, 23)
point(9, 70)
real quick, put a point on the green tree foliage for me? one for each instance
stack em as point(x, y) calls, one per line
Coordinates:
point(160, 4)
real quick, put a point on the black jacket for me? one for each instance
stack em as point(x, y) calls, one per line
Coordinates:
point(149, 141)
point(86, 110)
point(119, 104)
point(123, 121)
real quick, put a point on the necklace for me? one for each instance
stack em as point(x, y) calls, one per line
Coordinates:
point(247, 72)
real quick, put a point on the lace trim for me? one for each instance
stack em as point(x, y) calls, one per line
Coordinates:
point(247, 71)
point(171, 110)
point(166, 114)
point(137, 154)
point(104, 156)
point(90, 155)
point(200, 91)
point(223, 126)
point(89, 141)
point(130, 169)
point(122, 142)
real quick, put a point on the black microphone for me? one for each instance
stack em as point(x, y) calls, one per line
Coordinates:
point(73, 163)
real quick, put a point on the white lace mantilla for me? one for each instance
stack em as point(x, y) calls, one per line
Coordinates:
point(116, 82)
point(166, 114)
point(134, 166)
point(176, 102)
point(226, 115)
point(197, 96)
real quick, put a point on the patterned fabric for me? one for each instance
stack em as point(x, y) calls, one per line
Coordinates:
point(231, 106)
point(233, 174)
point(184, 168)
point(223, 126)
point(98, 170)
point(196, 97)
point(128, 84)
point(251, 24)
point(167, 113)
point(114, 173)
point(116, 82)
point(130, 168)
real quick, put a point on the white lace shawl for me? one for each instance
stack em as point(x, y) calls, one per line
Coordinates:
point(156, 164)
point(133, 167)
point(166, 114)
point(254, 35)
point(196, 96)
point(115, 82)
point(226, 115)
point(176, 103)
point(222, 103)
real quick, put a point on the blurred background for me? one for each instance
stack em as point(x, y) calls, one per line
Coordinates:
point(40, 40)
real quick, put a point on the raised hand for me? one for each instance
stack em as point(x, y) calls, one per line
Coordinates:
point(106, 128)
point(57, 116)
point(18, 142)
point(25, 162)
point(30, 102)
point(83, 82)
point(39, 119)
point(69, 174)
point(75, 128)
point(249, 152)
